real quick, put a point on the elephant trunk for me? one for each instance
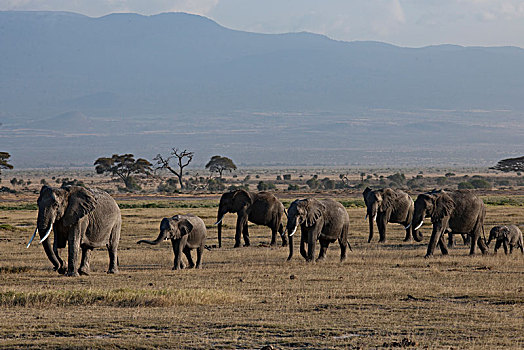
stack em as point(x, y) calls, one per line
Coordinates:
point(220, 217)
point(370, 218)
point(43, 231)
point(417, 235)
point(159, 239)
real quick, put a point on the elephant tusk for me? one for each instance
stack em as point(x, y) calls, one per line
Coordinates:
point(419, 225)
point(32, 237)
point(219, 221)
point(366, 217)
point(47, 234)
point(406, 227)
point(375, 217)
point(292, 233)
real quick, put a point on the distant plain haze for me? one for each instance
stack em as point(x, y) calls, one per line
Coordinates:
point(75, 88)
point(411, 23)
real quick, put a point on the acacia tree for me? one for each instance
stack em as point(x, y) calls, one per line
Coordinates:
point(4, 161)
point(123, 166)
point(183, 158)
point(510, 164)
point(218, 164)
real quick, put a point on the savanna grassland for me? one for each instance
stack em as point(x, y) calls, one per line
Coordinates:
point(382, 296)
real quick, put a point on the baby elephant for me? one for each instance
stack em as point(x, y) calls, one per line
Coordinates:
point(507, 235)
point(186, 232)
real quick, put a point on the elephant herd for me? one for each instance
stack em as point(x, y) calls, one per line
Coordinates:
point(89, 218)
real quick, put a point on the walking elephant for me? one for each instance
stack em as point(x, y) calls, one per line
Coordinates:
point(261, 208)
point(81, 218)
point(506, 235)
point(186, 232)
point(389, 205)
point(323, 220)
point(458, 211)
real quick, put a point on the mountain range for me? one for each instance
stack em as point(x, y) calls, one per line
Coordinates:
point(117, 80)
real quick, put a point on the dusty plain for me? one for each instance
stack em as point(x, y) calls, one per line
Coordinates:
point(382, 296)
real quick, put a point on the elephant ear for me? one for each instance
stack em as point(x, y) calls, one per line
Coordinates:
point(185, 227)
point(444, 205)
point(241, 199)
point(314, 210)
point(389, 196)
point(505, 232)
point(81, 202)
point(365, 194)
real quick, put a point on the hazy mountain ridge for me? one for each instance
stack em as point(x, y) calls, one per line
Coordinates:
point(81, 87)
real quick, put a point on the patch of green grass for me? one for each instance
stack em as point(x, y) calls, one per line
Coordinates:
point(513, 201)
point(117, 298)
point(24, 206)
point(7, 227)
point(179, 204)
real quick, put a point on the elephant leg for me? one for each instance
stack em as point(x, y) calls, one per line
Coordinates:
point(73, 247)
point(497, 245)
point(187, 253)
point(85, 268)
point(311, 245)
point(466, 239)
point(199, 250)
point(274, 230)
point(241, 221)
point(303, 241)
point(433, 241)
point(381, 224)
point(505, 246)
point(282, 235)
point(511, 248)
point(112, 248)
point(245, 234)
point(451, 240)
point(177, 250)
point(442, 245)
point(61, 268)
point(409, 236)
point(323, 249)
point(343, 248)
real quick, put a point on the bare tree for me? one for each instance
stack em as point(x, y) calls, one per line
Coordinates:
point(182, 159)
point(510, 164)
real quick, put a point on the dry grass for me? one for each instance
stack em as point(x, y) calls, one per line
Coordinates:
point(383, 295)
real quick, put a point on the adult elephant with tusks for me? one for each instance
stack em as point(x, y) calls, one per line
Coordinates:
point(324, 220)
point(458, 211)
point(81, 218)
point(261, 208)
point(389, 205)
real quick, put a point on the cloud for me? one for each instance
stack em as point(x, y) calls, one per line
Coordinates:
point(103, 7)
point(397, 11)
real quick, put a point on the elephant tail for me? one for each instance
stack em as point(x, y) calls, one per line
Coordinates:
point(349, 245)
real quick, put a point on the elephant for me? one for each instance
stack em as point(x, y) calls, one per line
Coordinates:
point(506, 235)
point(458, 211)
point(324, 220)
point(389, 205)
point(186, 232)
point(84, 219)
point(261, 208)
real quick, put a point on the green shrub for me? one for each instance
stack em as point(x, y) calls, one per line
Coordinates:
point(465, 186)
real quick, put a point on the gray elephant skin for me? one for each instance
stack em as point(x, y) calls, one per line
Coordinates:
point(261, 208)
point(323, 220)
point(460, 212)
point(186, 232)
point(509, 235)
point(389, 205)
point(83, 219)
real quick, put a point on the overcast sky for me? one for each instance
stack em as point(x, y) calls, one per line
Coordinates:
point(410, 23)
